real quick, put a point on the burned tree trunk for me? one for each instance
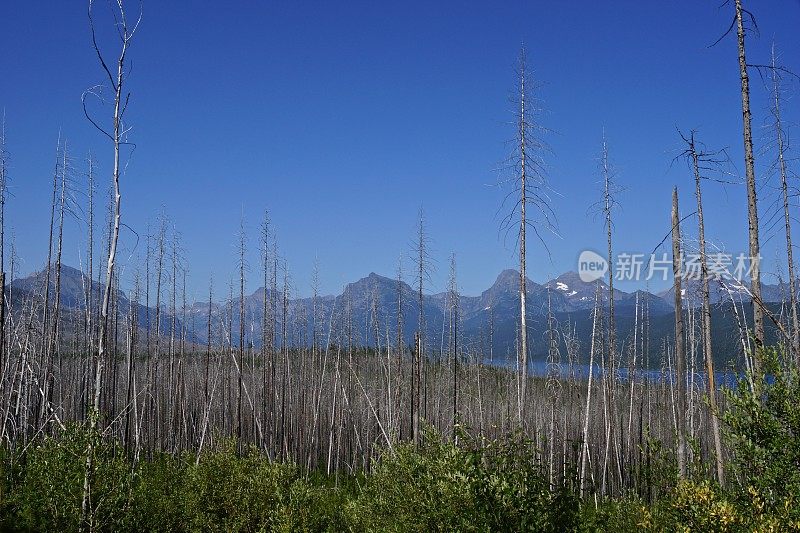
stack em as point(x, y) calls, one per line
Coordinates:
point(752, 203)
point(680, 348)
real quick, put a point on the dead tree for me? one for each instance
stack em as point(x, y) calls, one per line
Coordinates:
point(45, 351)
point(701, 161)
point(424, 266)
point(592, 349)
point(400, 349)
point(553, 383)
point(605, 208)
point(117, 136)
point(750, 174)
point(781, 145)
point(609, 203)
point(156, 363)
point(55, 331)
point(90, 256)
point(267, 359)
point(453, 298)
point(240, 369)
point(3, 188)
point(680, 349)
point(528, 186)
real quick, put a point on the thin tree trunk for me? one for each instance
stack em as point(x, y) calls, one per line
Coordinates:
point(752, 203)
point(706, 316)
point(522, 357)
point(680, 349)
point(120, 103)
point(783, 171)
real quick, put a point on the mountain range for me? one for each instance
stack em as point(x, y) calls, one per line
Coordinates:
point(366, 312)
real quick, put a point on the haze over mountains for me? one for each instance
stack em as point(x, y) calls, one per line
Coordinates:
point(370, 305)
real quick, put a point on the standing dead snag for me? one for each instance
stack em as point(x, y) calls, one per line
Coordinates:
point(528, 186)
point(605, 207)
point(423, 265)
point(53, 346)
point(3, 185)
point(609, 203)
point(700, 161)
point(679, 377)
point(522, 357)
point(240, 364)
point(585, 431)
point(400, 350)
point(781, 147)
point(454, 316)
point(266, 324)
point(749, 160)
point(116, 81)
point(46, 337)
point(553, 383)
point(89, 260)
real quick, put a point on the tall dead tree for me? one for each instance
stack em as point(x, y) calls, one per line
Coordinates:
point(267, 359)
point(156, 362)
point(522, 357)
point(750, 174)
point(528, 191)
point(453, 298)
point(400, 349)
point(679, 377)
point(592, 349)
point(610, 191)
point(55, 330)
point(699, 162)
point(90, 255)
point(423, 266)
point(48, 267)
point(173, 331)
point(3, 186)
point(553, 383)
point(240, 369)
point(116, 81)
point(781, 145)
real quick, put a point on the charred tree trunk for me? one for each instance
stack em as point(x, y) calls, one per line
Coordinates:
point(752, 203)
point(680, 348)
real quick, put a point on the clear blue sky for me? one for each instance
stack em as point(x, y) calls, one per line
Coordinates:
point(342, 118)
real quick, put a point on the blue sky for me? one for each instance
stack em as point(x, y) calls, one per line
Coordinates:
point(342, 119)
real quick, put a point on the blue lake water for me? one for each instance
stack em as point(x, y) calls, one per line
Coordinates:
point(581, 371)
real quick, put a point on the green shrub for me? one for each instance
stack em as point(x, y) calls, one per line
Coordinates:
point(159, 496)
point(490, 486)
point(621, 514)
point(762, 429)
point(50, 490)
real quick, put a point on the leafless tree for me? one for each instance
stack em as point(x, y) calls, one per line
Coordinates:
point(424, 267)
point(680, 351)
point(781, 147)
point(454, 316)
point(741, 16)
point(242, 266)
point(702, 161)
point(116, 81)
point(4, 159)
point(528, 183)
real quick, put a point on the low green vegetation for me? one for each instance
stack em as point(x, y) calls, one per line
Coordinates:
point(469, 485)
